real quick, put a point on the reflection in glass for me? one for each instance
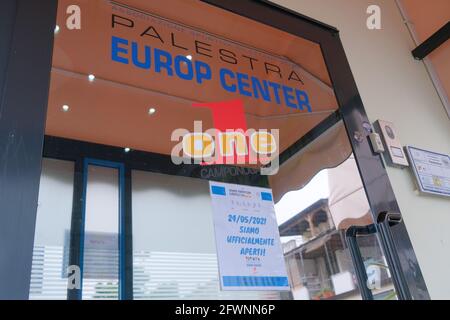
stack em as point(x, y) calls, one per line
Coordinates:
point(379, 278)
point(313, 220)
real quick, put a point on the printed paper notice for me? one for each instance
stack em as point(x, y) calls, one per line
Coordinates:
point(432, 171)
point(247, 238)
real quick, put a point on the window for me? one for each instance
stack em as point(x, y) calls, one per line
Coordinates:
point(52, 235)
point(174, 254)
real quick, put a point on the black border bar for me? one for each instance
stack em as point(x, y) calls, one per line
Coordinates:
point(432, 43)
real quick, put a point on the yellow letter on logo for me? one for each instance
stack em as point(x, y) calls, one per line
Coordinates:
point(231, 140)
point(263, 142)
point(198, 145)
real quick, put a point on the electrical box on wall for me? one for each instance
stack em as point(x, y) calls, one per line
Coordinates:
point(393, 150)
point(375, 141)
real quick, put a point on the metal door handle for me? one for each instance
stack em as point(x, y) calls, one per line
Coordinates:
point(360, 270)
point(386, 221)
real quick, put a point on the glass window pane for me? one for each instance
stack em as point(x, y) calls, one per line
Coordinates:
point(101, 242)
point(174, 253)
point(51, 239)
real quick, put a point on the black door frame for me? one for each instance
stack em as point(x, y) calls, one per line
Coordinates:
point(26, 42)
point(29, 32)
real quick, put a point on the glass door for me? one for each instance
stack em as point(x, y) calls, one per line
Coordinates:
point(134, 87)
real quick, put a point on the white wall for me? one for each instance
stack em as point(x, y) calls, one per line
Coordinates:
point(395, 87)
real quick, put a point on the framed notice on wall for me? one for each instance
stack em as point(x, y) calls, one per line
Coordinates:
point(247, 238)
point(431, 170)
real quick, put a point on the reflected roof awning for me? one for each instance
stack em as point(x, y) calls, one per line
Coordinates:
point(118, 39)
point(113, 109)
point(348, 203)
point(327, 151)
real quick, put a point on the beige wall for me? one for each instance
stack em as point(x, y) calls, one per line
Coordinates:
point(395, 87)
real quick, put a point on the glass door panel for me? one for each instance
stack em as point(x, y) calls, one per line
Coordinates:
point(101, 234)
point(52, 235)
point(129, 80)
point(314, 221)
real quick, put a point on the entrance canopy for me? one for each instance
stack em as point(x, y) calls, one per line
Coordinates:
point(134, 71)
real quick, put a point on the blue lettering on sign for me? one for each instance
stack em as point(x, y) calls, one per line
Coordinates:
point(275, 87)
point(243, 84)
point(303, 100)
point(163, 60)
point(289, 97)
point(183, 61)
point(224, 73)
point(186, 69)
point(203, 71)
point(116, 49)
point(135, 55)
point(266, 196)
point(218, 190)
point(260, 89)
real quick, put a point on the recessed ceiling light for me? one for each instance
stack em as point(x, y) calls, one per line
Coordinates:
point(65, 108)
point(56, 29)
point(151, 111)
point(91, 77)
point(189, 57)
point(127, 150)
